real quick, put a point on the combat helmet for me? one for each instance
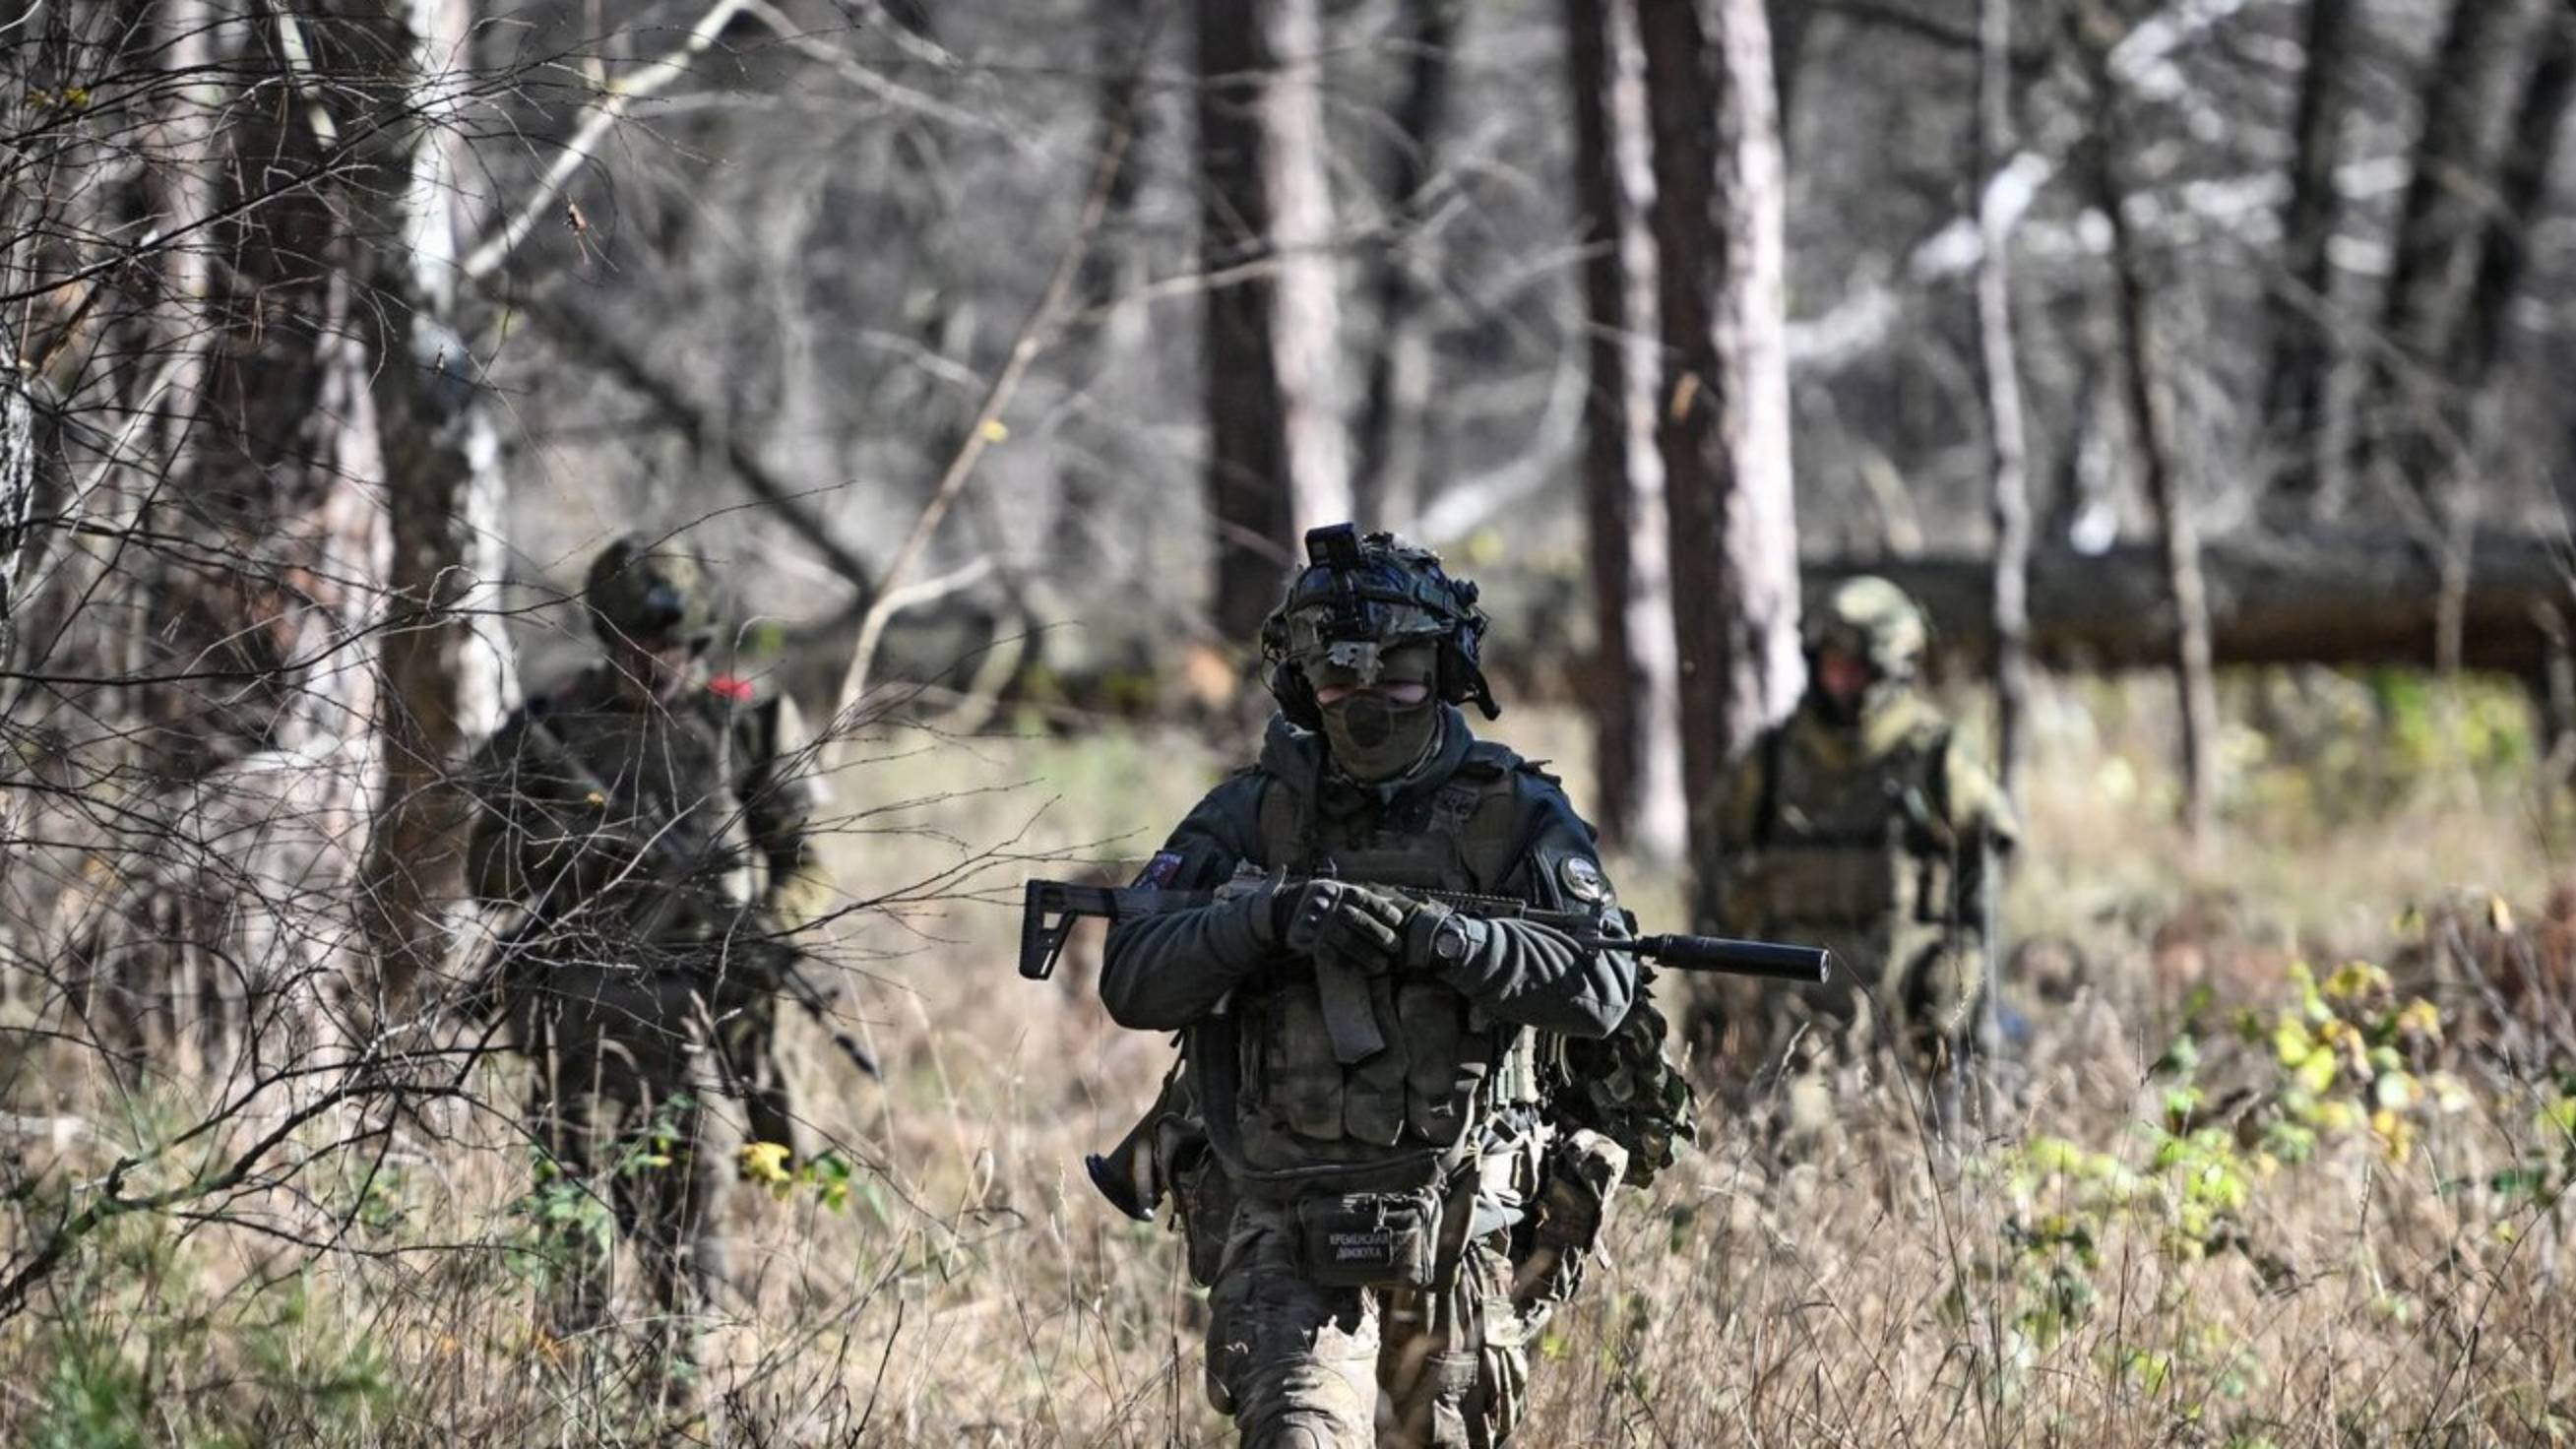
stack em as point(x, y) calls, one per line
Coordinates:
point(1361, 595)
point(650, 592)
point(1874, 621)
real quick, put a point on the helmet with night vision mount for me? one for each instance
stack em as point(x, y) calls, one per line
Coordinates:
point(1361, 596)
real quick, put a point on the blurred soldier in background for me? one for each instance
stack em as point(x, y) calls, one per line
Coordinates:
point(1863, 824)
point(1400, 1171)
point(653, 826)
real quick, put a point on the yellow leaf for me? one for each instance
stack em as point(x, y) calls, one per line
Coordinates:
point(2394, 1134)
point(2290, 1041)
point(595, 799)
point(764, 1162)
point(2317, 1073)
point(994, 432)
point(2420, 1018)
point(2558, 1118)
point(2499, 916)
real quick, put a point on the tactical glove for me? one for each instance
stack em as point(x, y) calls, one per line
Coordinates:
point(1359, 924)
point(1438, 938)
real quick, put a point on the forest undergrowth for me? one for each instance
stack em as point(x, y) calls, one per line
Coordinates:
point(2282, 1159)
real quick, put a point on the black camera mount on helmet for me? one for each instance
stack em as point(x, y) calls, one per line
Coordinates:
point(1377, 590)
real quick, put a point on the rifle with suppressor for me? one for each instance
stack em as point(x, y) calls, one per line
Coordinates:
point(1050, 908)
point(1131, 1174)
point(776, 961)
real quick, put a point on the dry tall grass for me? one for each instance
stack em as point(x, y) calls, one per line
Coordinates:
point(971, 1289)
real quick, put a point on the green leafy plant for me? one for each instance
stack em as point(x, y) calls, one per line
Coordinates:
point(2334, 1062)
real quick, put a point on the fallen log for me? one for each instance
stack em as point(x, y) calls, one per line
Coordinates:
point(2351, 600)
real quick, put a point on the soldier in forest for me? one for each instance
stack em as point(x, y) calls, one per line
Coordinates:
point(1861, 823)
point(1407, 1119)
point(654, 827)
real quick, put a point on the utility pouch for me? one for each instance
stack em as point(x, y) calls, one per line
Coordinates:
point(1299, 1078)
point(1573, 1207)
point(1370, 1240)
point(1205, 1199)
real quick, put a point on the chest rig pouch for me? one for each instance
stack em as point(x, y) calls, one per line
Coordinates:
point(1397, 1120)
point(662, 778)
point(1847, 847)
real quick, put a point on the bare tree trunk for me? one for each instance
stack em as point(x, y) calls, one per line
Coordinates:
point(1634, 695)
point(1102, 449)
point(1248, 467)
point(1306, 337)
point(17, 486)
point(1384, 487)
point(2513, 214)
point(2408, 421)
point(1790, 20)
point(2522, 185)
point(2001, 367)
point(1723, 409)
point(448, 672)
point(1124, 35)
point(2150, 404)
point(1275, 460)
point(2304, 345)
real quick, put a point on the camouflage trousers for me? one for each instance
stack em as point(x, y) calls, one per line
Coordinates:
point(1917, 1016)
point(1301, 1365)
point(626, 1063)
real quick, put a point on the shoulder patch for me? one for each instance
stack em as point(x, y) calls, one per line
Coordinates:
point(730, 686)
point(1582, 880)
point(1160, 871)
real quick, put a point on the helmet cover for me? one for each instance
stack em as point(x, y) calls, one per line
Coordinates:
point(1873, 621)
point(653, 594)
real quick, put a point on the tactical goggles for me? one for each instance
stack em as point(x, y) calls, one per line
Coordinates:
point(1403, 694)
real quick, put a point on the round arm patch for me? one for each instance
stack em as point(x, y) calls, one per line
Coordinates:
point(1582, 880)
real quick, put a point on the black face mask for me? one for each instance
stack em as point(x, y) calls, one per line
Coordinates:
point(1837, 711)
point(1375, 741)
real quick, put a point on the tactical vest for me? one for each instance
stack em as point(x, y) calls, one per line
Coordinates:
point(1852, 853)
point(660, 775)
point(1407, 1116)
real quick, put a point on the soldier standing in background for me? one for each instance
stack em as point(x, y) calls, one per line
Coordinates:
point(1864, 824)
point(653, 825)
point(1395, 1182)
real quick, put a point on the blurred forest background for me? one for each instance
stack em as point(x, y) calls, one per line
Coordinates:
point(2199, 363)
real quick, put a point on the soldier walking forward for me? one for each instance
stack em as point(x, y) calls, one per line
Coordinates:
point(653, 826)
point(1388, 1199)
point(1862, 823)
